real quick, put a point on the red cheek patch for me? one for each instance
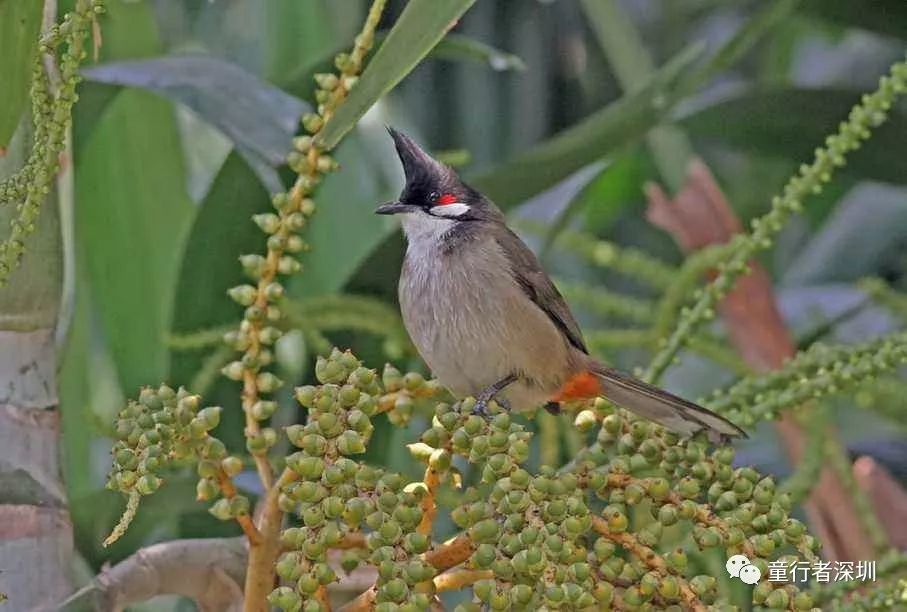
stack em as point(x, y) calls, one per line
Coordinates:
point(447, 198)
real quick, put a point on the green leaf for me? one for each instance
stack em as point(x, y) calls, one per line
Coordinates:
point(421, 25)
point(457, 47)
point(453, 47)
point(164, 514)
point(631, 62)
point(75, 378)
point(223, 230)
point(344, 230)
point(599, 135)
point(20, 23)
point(859, 239)
point(258, 117)
point(883, 16)
point(88, 394)
point(295, 33)
point(617, 188)
point(603, 199)
point(743, 40)
point(131, 216)
point(792, 122)
point(557, 206)
point(129, 32)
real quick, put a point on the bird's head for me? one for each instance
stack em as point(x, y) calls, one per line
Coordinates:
point(434, 196)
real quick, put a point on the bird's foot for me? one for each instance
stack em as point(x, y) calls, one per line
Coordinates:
point(489, 393)
point(482, 409)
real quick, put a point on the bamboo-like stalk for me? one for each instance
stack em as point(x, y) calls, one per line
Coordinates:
point(261, 573)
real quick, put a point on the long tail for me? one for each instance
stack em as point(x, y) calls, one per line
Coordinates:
point(675, 413)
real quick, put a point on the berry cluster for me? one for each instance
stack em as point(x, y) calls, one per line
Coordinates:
point(51, 118)
point(591, 536)
point(166, 428)
point(870, 113)
point(817, 372)
point(260, 328)
point(337, 498)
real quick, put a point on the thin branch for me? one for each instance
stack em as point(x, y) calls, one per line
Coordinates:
point(321, 596)
point(451, 581)
point(245, 521)
point(443, 557)
point(429, 508)
point(703, 516)
point(351, 540)
point(262, 556)
point(698, 216)
point(650, 558)
point(451, 553)
point(208, 571)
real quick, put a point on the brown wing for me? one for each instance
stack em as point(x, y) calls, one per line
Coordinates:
point(532, 278)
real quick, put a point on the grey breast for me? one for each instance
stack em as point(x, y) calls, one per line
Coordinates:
point(472, 323)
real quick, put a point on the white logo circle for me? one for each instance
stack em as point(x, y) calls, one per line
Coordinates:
point(750, 574)
point(739, 566)
point(735, 564)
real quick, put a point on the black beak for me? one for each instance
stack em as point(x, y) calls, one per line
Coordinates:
point(392, 208)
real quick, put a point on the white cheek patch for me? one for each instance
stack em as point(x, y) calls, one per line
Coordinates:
point(449, 210)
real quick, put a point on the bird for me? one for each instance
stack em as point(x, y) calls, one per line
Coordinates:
point(489, 322)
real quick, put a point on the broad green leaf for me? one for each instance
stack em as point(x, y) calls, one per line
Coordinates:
point(132, 214)
point(421, 25)
point(555, 207)
point(162, 514)
point(457, 47)
point(344, 230)
point(743, 40)
point(613, 127)
point(20, 23)
point(618, 186)
point(129, 32)
point(603, 198)
point(258, 117)
point(883, 16)
point(631, 62)
point(860, 238)
point(87, 394)
point(222, 231)
point(296, 33)
point(453, 47)
point(792, 122)
point(75, 395)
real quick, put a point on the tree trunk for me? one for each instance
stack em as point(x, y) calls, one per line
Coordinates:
point(35, 529)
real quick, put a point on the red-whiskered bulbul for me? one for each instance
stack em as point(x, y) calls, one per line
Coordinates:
point(489, 322)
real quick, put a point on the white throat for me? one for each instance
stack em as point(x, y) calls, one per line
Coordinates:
point(424, 231)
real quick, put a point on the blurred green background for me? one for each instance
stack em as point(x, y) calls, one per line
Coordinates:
point(185, 119)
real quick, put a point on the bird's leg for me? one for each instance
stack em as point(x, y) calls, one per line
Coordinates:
point(488, 393)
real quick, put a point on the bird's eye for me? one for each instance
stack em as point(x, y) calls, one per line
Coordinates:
point(433, 196)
